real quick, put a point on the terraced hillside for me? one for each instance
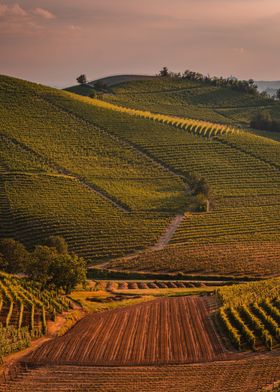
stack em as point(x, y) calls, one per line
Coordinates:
point(188, 99)
point(65, 175)
point(242, 170)
point(110, 180)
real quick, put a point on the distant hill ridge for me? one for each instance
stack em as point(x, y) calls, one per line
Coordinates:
point(109, 81)
point(270, 87)
point(117, 79)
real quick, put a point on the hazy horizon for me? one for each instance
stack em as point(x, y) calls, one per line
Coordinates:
point(52, 42)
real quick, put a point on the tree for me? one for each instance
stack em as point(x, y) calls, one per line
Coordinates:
point(278, 94)
point(14, 256)
point(58, 243)
point(82, 79)
point(164, 72)
point(202, 188)
point(67, 270)
point(52, 266)
point(40, 262)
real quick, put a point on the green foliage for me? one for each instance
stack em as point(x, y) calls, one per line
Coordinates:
point(25, 304)
point(14, 255)
point(242, 327)
point(233, 333)
point(24, 308)
point(254, 308)
point(57, 242)
point(250, 322)
point(247, 293)
point(13, 339)
point(52, 265)
point(267, 320)
point(40, 261)
point(271, 310)
point(257, 326)
point(264, 121)
point(67, 271)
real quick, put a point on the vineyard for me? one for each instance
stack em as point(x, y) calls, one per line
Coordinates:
point(241, 258)
point(24, 310)
point(96, 168)
point(187, 98)
point(109, 185)
point(251, 314)
point(62, 206)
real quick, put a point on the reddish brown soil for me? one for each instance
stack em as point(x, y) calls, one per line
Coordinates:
point(246, 375)
point(169, 330)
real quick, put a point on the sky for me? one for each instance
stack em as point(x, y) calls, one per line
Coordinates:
point(53, 41)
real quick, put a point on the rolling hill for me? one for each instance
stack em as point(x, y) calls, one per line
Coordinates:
point(109, 81)
point(186, 98)
point(112, 180)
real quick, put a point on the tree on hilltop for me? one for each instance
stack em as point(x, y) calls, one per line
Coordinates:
point(164, 72)
point(82, 79)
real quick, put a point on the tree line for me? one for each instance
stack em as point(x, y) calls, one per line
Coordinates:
point(248, 86)
point(51, 264)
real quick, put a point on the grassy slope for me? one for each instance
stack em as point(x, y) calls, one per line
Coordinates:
point(242, 172)
point(192, 99)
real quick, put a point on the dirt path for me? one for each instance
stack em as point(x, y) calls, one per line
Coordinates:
point(160, 244)
point(170, 230)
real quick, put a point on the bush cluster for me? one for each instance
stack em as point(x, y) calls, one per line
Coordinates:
point(51, 264)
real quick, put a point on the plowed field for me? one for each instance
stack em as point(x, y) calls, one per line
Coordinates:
point(164, 331)
point(246, 375)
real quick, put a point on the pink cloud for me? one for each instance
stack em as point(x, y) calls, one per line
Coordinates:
point(39, 38)
point(43, 13)
point(12, 10)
